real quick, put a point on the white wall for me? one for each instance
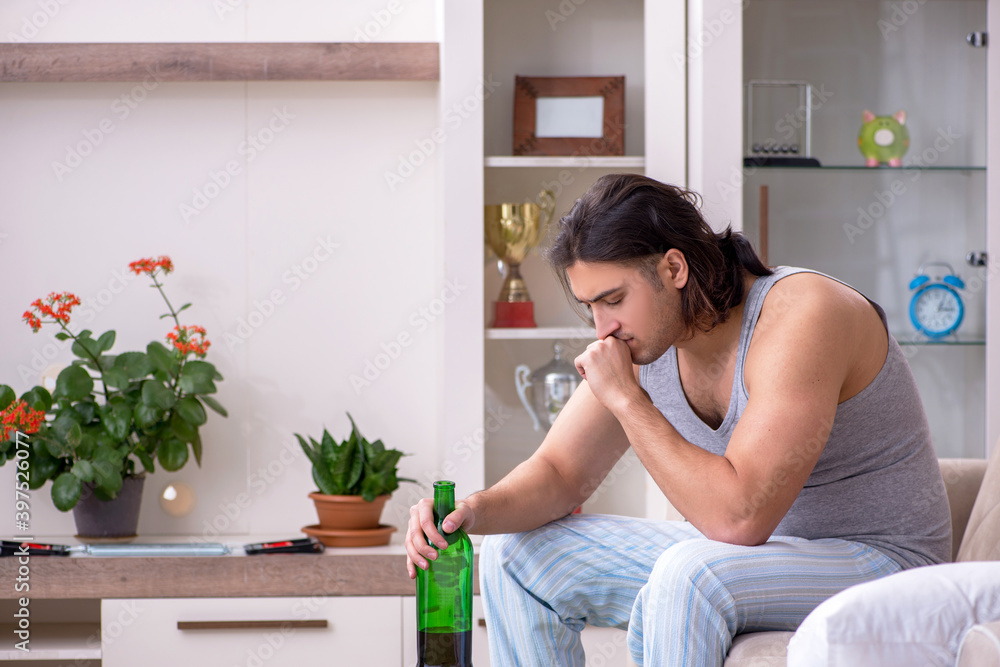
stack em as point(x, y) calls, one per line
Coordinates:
point(313, 200)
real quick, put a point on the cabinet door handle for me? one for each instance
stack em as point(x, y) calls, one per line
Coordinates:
point(249, 625)
point(482, 622)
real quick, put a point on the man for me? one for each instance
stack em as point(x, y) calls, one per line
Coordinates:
point(772, 409)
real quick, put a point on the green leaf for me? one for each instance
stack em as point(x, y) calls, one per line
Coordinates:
point(146, 416)
point(374, 485)
point(7, 396)
point(42, 467)
point(196, 448)
point(74, 436)
point(86, 410)
point(56, 449)
point(66, 491)
point(311, 451)
point(108, 463)
point(215, 405)
point(115, 377)
point(372, 449)
point(191, 410)
point(59, 430)
point(108, 477)
point(62, 335)
point(196, 385)
point(183, 308)
point(387, 460)
point(106, 341)
point(348, 466)
point(157, 394)
point(108, 453)
point(85, 347)
point(88, 442)
point(355, 433)
point(182, 428)
point(328, 446)
point(135, 364)
point(196, 377)
point(172, 454)
point(73, 383)
point(38, 398)
point(145, 459)
point(83, 470)
point(198, 368)
point(161, 357)
point(324, 481)
point(117, 418)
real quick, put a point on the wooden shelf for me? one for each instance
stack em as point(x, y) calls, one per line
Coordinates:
point(54, 641)
point(220, 61)
point(541, 333)
point(357, 571)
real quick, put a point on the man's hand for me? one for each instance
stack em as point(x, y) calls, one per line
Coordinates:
point(606, 365)
point(421, 529)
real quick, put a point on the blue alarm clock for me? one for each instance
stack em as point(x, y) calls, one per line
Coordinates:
point(936, 308)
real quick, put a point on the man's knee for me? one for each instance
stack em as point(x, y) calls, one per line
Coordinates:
point(498, 548)
point(683, 564)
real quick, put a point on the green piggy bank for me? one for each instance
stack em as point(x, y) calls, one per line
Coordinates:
point(883, 139)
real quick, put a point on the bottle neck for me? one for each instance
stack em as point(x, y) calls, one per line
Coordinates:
point(444, 500)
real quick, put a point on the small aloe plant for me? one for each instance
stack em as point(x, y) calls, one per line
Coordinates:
point(353, 467)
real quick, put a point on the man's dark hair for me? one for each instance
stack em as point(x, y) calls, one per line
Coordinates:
point(631, 219)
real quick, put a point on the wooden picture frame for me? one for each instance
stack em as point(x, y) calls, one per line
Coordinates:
point(604, 135)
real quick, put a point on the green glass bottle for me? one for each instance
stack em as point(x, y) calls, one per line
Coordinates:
point(444, 594)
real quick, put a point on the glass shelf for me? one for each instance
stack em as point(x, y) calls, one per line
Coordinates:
point(861, 167)
point(583, 333)
point(916, 339)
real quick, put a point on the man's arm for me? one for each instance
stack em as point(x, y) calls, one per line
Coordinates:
point(576, 455)
point(794, 375)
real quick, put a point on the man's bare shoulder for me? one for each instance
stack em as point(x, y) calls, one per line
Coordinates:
point(812, 289)
point(812, 319)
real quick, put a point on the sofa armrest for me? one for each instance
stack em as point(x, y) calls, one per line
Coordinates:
point(980, 646)
point(962, 479)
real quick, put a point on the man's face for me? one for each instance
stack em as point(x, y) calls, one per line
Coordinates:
point(626, 305)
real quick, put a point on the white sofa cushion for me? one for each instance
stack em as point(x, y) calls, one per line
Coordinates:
point(914, 617)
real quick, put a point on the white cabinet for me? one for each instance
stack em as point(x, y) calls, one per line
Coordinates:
point(209, 632)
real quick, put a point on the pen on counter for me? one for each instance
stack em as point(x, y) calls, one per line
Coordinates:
point(303, 545)
point(15, 548)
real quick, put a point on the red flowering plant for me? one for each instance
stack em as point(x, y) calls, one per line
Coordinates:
point(111, 413)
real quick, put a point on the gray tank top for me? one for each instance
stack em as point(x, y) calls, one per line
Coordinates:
point(877, 481)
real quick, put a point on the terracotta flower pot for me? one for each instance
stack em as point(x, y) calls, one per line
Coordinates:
point(348, 512)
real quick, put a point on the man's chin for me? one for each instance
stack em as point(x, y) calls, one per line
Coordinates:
point(644, 357)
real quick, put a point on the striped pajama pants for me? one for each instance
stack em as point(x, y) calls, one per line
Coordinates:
point(681, 596)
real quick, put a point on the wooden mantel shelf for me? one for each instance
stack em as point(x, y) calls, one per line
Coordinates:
point(220, 61)
point(335, 573)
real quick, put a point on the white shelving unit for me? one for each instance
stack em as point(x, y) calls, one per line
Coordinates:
point(633, 38)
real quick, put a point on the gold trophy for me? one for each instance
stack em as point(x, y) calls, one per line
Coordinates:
point(512, 230)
